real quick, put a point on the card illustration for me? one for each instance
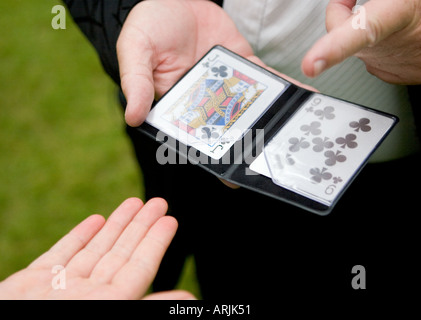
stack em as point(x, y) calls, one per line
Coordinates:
point(214, 103)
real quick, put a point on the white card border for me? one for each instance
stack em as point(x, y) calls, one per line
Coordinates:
point(276, 87)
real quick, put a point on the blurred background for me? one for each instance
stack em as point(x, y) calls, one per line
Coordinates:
point(63, 150)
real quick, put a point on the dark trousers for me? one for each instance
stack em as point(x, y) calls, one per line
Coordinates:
point(247, 245)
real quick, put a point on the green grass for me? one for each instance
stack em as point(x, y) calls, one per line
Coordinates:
point(63, 151)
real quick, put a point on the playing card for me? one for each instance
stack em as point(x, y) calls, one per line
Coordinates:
point(320, 149)
point(215, 103)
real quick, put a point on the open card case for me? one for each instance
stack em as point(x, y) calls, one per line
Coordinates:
point(253, 128)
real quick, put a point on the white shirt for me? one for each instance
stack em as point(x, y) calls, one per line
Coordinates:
point(282, 31)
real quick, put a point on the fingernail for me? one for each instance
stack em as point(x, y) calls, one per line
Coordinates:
point(319, 66)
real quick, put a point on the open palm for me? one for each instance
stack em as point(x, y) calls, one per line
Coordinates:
point(116, 259)
point(161, 40)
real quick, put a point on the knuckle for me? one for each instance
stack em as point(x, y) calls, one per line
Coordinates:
point(373, 32)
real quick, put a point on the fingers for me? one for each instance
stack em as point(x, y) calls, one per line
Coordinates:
point(148, 51)
point(135, 56)
point(126, 250)
point(229, 184)
point(171, 295)
point(337, 12)
point(129, 240)
point(85, 260)
point(350, 33)
point(135, 277)
point(70, 244)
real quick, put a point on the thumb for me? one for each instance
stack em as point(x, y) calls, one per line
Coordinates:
point(135, 58)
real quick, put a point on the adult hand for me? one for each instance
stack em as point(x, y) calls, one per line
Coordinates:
point(385, 34)
point(116, 259)
point(162, 39)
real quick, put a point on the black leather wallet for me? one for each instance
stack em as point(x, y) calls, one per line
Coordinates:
point(245, 124)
